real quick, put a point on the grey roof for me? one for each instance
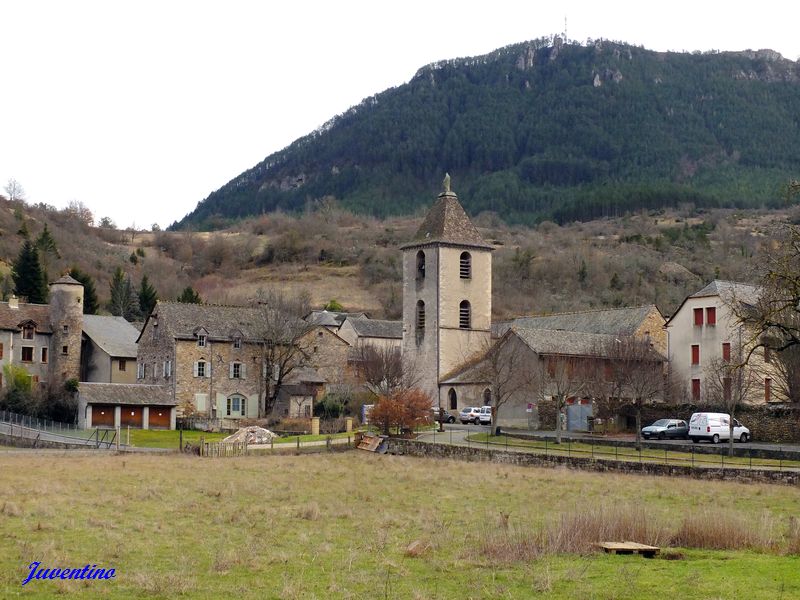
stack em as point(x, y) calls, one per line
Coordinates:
point(330, 318)
point(11, 318)
point(66, 280)
point(568, 343)
point(114, 335)
point(729, 290)
point(301, 375)
point(447, 223)
point(377, 328)
point(612, 321)
point(126, 393)
point(220, 322)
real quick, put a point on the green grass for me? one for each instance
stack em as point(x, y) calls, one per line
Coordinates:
point(165, 438)
point(668, 455)
point(339, 525)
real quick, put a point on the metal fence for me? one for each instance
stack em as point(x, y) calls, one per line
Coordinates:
point(686, 456)
point(68, 429)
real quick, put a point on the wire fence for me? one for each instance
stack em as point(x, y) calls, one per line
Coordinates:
point(686, 456)
point(66, 429)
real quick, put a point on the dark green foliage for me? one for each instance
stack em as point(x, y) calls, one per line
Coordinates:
point(28, 276)
point(45, 243)
point(123, 302)
point(140, 252)
point(90, 301)
point(147, 296)
point(540, 141)
point(334, 305)
point(329, 408)
point(189, 296)
point(583, 272)
point(71, 386)
point(133, 258)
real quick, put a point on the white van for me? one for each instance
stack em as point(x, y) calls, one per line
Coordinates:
point(715, 427)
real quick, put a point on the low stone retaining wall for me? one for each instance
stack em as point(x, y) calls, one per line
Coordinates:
point(424, 449)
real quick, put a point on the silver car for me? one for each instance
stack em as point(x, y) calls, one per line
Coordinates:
point(666, 428)
point(469, 414)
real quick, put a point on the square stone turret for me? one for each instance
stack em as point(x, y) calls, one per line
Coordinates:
point(447, 293)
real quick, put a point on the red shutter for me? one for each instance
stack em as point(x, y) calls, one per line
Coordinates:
point(767, 389)
point(695, 390)
point(698, 317)
point(726, 351)
point(726, 389)
point(695, 354)
point(711, 315)
point(1, 350)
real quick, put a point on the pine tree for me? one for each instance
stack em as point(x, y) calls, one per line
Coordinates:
point(46, 245)
point(123, 302)
point(28, 277)
point(90, 302)
point(189, 296)
point(147, 296)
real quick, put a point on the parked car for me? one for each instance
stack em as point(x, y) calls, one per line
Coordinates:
point(440, 415)
point(666, 428)
point(469, 414)
point(485, 415)
point(715, 427)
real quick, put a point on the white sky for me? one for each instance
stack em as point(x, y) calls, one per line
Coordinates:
point(141, 109)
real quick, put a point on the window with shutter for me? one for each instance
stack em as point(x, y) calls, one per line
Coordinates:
point(698, 317)
point(695, 390)
point(464, 315)
point(726, 351)
point(695, 354)
point(465, 266)
point(711, 315)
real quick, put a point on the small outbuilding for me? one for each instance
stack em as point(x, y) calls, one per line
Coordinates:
point(122, 405)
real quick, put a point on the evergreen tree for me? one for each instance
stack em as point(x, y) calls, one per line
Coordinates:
point(90, 302)
point(123, 302)
point(47, 247)
point(147, 296)
point(28, 277)
point(189, 296)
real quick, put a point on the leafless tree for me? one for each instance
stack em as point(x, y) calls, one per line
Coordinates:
point(639, 373)
point(730, 383)
point(507, 367)
point(80, 212)
point(381, 369)
point(562, 377)
point(286, 345)
point(14, 190)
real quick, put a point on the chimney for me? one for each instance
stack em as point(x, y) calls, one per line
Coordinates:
point(13, 302)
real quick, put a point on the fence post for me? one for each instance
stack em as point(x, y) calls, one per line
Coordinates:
point(298, 442)
point(750, 452)
point(693, 456)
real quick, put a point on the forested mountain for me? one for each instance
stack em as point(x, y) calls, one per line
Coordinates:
point(546, 130)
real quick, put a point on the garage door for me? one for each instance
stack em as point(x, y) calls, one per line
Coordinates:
point(102, 415)
point(131, 416)
point(159, 417)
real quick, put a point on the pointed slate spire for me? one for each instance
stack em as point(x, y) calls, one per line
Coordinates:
point(447, 223)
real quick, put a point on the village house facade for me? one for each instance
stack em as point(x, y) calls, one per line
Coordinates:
point(704, 333)
point(108, 350)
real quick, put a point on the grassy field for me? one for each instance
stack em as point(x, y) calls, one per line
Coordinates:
point(165, 438)
point(359, 525)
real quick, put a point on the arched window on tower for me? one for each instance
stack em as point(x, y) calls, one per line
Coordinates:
point(420, 315)
point(465, 266)
point(487, 397)
point(453, 399)
point(420, 265)
point(465, 315)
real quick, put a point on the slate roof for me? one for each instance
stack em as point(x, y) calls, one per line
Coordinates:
point(613, 321)
point(66, 280)
point(447, 223)
point(566, 343)
point(729, 289)
point(114, 335)
point(126, 393)
point(329, 318)
point(220, 322)
point(10, 318)
point(302, 375)
point(377, 328)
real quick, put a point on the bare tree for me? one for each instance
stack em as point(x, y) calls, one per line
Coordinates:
point(506, 366)
point(730, 383)
point(286, 345)
point(14, 190)
point(80, 212)
point(562, 377)
point(381, 369)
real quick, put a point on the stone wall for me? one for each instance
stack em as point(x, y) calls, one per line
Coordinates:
point(422, 449)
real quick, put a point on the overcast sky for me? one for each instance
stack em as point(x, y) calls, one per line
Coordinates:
point(141, 109)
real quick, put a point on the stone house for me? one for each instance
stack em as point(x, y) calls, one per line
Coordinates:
point(45, 339)
point(108, 350)
point(110, 405)
point(704, 332)
point(359, 331)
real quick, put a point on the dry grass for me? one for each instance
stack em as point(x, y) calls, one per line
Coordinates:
point(722, 530)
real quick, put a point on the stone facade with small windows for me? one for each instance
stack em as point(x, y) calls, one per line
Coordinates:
point(209, 356)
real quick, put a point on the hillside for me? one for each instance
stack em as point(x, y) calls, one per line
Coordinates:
point(544, 130)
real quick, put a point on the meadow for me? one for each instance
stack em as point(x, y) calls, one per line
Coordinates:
point(359, 525)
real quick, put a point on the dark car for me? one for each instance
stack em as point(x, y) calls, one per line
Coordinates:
point(666, 428)
point(440, 415)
